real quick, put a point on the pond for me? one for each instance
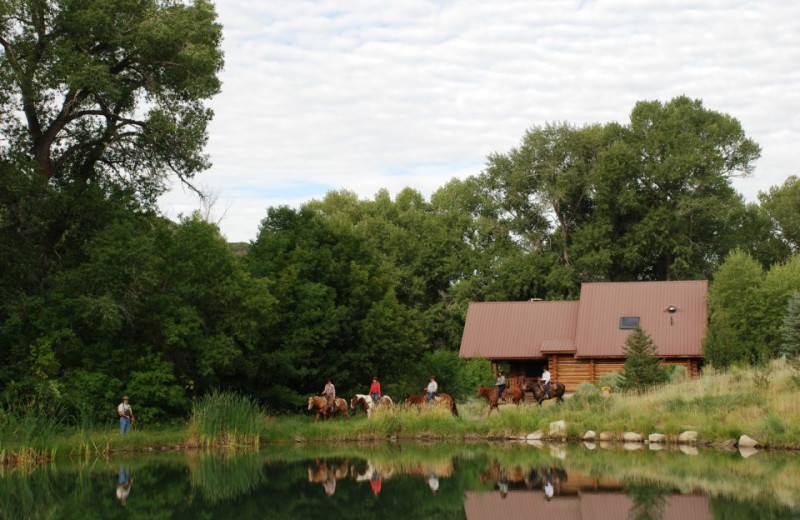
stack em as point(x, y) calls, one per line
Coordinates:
point(412, 480)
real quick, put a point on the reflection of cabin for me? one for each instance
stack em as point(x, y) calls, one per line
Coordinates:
point(597, 506)
point(582, 340)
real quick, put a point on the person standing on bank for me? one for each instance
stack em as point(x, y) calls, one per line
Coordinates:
point(546, 382)
point(501, 385)
point(125, 416)
point(375, 391)
point(431, 389)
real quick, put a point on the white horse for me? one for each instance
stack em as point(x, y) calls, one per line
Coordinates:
point(367, 403)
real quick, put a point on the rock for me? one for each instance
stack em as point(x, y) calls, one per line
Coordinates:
point(558, 451)
point(535, 443)
point(606, 436)
point(632, 446)
point(747, 442)
point(632, 437)
point(658, 438)
point(535, 436)
point(558, 430)
point(589, 445)
point(590, 435)
point(688, 450)
point(656, 446)
point(606, 445)
point(727, 445)
point(687, 437)
point(747, 452)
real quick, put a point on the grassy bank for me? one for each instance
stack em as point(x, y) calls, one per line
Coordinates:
point(762, 403)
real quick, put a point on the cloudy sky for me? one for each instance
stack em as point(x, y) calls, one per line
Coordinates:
point(363, 95)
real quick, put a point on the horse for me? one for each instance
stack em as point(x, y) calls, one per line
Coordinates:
point(365, 401)
point(515, 394)
point(421, 400)
point(556, 391)
point(320, 405)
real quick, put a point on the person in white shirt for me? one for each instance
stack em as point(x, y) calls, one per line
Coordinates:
point(546, 382)
point(125, 416)
point(432, 389)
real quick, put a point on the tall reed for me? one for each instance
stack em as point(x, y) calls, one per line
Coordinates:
point(226, 419)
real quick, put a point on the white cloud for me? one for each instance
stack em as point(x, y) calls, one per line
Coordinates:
point(361, 95)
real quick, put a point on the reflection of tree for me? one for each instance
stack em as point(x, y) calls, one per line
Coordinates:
point(649, 501)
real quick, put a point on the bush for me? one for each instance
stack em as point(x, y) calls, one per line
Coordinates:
point(586, 389)
point(676, 373)
point(610, 380)
point(226, 419)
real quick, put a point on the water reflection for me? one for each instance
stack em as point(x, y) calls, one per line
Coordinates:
point(124, 485)
point(413, 481)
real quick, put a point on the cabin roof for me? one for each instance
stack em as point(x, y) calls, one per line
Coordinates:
point(674, 314)
point(517, 330)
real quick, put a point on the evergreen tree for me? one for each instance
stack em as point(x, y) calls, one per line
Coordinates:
point(642, 366)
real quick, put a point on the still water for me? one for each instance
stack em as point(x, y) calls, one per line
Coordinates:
point(406, 481)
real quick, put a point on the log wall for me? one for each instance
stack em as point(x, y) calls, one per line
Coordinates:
point(573, 371)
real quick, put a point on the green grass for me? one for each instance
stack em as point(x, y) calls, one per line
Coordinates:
point(719, 406)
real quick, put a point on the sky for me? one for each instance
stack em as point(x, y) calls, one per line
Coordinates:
point(365, 95)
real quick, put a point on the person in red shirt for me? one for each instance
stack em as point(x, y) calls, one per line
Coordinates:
point(375, 391)
point(375, 483)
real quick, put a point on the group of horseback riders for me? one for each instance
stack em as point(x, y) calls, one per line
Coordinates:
point(502, 384)
point(329, 392)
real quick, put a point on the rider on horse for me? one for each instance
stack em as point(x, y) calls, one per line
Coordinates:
point(432, 389)
point(375, 391)
point(330, 395)
point(501, 385)
point(546, 382)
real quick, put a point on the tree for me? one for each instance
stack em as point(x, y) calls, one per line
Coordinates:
point(732, 298)
point(665, 190)
point(782, 204)
point(642, 367)
point(100, 94)
point(790, 329)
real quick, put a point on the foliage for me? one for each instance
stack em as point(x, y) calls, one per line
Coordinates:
point(642, 366)
point(226, 419)
point(611, 380)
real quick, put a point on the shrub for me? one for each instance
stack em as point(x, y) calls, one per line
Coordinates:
point(226, 419)
point(611, 380)
point(586, 389)
point(676, 373)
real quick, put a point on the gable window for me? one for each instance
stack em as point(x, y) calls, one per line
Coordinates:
point(628, 322)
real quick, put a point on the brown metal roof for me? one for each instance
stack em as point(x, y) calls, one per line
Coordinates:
point(558, 345)
point(676, 333)
point(617, 506)
point(520, 504)
point(516, 330)
point(595, 506)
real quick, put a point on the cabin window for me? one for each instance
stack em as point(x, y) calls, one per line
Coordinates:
point(628, 322)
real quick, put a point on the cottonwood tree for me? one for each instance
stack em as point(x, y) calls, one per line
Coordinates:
point(98, 96)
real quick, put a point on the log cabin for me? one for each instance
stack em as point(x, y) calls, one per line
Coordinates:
point(580, 341)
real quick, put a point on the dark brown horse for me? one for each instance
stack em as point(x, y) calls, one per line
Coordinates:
point(320, 406)
point(441, 399)
point(556, 391)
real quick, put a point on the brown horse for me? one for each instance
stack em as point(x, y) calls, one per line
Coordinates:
point(491, 396)
point(441, 399)
point(320, 405)
point(556, 391)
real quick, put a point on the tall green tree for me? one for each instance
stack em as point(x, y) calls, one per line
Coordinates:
point(733, 298)
point(782, 205)
point(103, 93)
point(666, 188)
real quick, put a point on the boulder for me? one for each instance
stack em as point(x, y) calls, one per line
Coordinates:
point(558, 430)
point(590, 435)
point(747, 452)
point(606, 436)
point(687, 437)
point(747, 442)
point(656, 446)
point(632, 446)
point(688, 450)
point(589, 445)
point(535, 436)
point(657, 438)
point(632, 437)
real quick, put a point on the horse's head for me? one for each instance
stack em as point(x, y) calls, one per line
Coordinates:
point(353, 401)
point(310, 403)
